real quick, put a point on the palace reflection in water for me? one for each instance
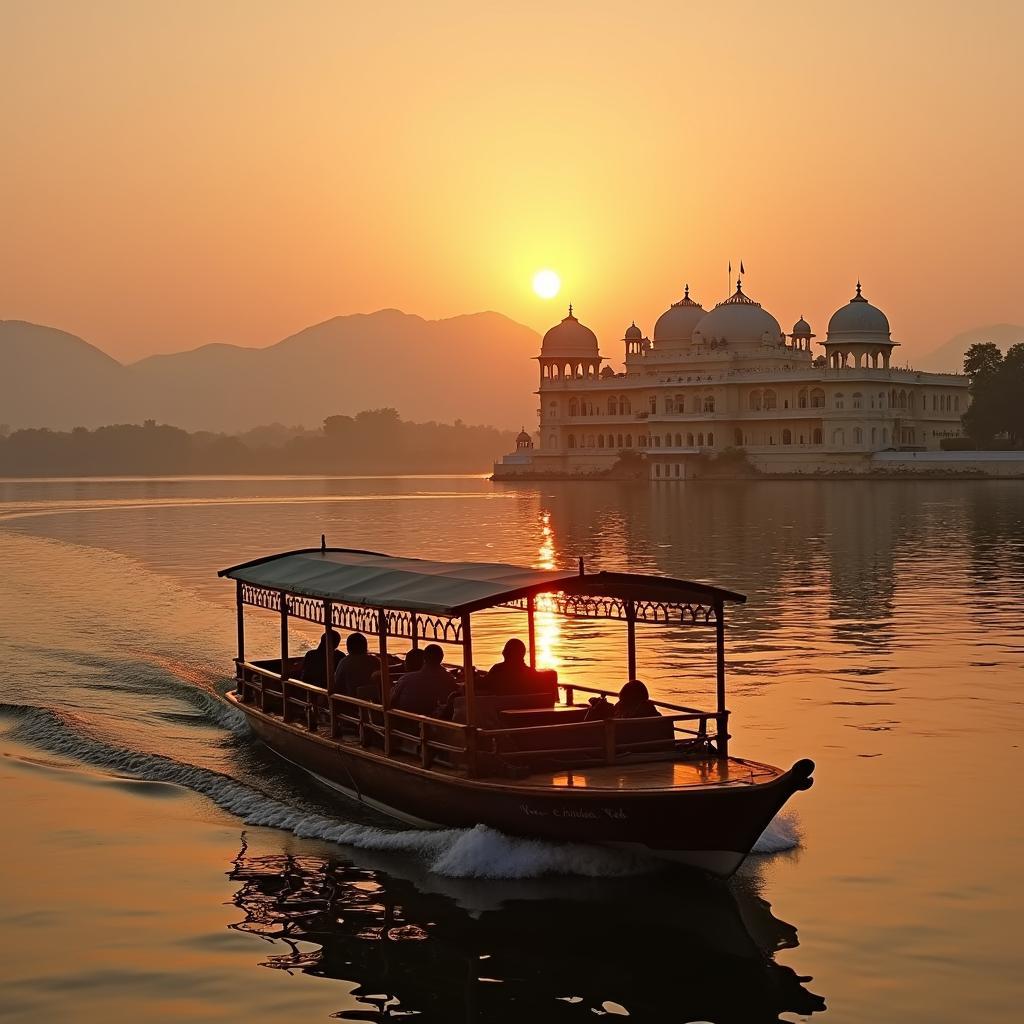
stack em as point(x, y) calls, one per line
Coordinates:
point(559, 949)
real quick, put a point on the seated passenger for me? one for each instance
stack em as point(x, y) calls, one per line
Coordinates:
point(412, 662)
point(635, 702)
point(422, 691)
point(512, 676)
point(356, 668)
point(314, 663)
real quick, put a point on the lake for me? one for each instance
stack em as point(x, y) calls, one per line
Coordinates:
point(158, 864)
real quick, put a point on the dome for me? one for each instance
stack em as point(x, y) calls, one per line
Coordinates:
point(523, 437)
point(633, 333)
point(570, 338)
point(858, 318)
point(676, 324)
point(607, 371)
point(739, 320)
point(802, 329)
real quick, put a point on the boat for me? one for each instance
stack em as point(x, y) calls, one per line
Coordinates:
point(534, 765)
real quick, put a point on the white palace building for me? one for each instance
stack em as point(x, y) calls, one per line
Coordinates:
point(730, 378)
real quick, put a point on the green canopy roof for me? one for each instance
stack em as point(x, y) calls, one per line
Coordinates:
point(371, 579)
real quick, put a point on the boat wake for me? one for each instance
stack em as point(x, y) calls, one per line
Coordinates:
point(478, 852)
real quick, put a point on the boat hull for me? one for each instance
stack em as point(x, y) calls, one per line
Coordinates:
point(711, 828)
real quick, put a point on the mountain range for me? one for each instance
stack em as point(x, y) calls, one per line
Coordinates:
point(477, 368)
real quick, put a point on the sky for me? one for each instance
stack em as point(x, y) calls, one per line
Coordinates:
point(177, 173)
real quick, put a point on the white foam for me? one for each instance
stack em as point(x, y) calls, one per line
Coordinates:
point(782, 833)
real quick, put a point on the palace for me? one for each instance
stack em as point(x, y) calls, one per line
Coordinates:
point(730, 378)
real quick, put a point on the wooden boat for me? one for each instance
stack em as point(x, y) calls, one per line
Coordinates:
point(528, 766)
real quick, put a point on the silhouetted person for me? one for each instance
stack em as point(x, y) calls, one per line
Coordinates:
point(314, 662)
point(512, 676)
point(421, 692)
point(356, 669)
point(635, 702)
point(412, 662)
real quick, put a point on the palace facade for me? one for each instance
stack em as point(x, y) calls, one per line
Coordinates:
point(730, 378)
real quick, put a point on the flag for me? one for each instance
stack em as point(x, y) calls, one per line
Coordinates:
point(742, 271)
point(730, 268)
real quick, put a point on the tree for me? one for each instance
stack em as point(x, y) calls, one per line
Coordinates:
point(983, 365)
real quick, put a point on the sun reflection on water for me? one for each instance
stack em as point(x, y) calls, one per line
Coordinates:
point(546, 622)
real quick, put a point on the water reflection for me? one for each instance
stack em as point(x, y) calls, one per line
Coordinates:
point(553, 950)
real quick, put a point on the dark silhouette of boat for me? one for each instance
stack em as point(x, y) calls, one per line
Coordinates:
point(533, 764)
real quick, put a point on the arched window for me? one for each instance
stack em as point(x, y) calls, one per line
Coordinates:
point(629, 440)
point(711, 440)
point(903, 399)
point(755, 400)
point(709, 403)
point(545, 371)
point(801, 398)
point(816, 436)
point(574, 408)
point(689, 440)
point(600, 440)
point(839, 437)
point(657, 469)
point(737, 437)
point(552, 441)
point(668, 440)
point(668, 404)
point(787, 436)
point(679, 440)
point(656, 438)
point(567, 372)
point(625, 407)
point(858, 435)
point(874, 435)
point(700, 440)
point(680, 403)
point(612, 406)
point(572, 440)
point(817, 399)
point(838, 400)
point(618, 440)
point(858, 400)
point(553, 410)
point(590, 440)
point(770, 400)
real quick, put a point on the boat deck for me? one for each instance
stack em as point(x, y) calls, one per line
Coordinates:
point(656, 775)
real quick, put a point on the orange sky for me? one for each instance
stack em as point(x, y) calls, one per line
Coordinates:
point(178, 173)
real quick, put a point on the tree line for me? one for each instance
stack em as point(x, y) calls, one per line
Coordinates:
point(997, 394)
point(374, 441)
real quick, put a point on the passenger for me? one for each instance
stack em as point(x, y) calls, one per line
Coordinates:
point(412, 662)
point(314, 663)
point(512, 676)
point(635, 702)
point(356, 669)
point(422, 691)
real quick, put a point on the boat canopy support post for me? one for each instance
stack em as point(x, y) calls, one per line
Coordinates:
point(469, 683)
point(284, 639)
point(240, 617)
point(630, 640)
point(385, 678)
point(329, 660)
point(722, 710)
point(531, 629)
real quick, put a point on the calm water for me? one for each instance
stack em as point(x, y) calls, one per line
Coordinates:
point(158, 865)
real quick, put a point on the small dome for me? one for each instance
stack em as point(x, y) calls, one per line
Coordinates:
point(737, 320)
point(607, 371)
point(802, 329)
point(523, 437)
point(570, 338)
point(633, 333)
point(676, 324)
point(858, 318)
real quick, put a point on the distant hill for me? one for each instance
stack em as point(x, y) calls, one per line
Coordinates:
point(949, 357)
point(476, 368)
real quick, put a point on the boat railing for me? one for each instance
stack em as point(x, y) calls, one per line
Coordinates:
point(606, 741)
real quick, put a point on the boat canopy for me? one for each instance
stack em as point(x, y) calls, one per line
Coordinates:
point(373, 580)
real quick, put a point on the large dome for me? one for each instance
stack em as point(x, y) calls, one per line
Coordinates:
point(570, 338)
point(738, 320)
point(676, 324)
point(858, 319)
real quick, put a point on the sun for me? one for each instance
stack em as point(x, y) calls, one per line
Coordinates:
point(547, 284)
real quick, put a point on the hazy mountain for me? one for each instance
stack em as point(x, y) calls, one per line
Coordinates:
point(476, 368)
point(51, 378)
point(949, 357)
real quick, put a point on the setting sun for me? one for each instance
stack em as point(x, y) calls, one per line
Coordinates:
point(546, 283)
